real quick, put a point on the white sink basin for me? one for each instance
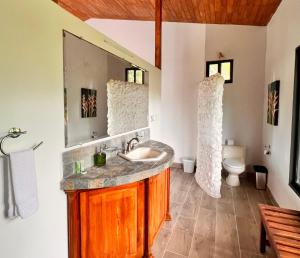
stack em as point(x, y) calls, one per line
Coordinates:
point(144, 154)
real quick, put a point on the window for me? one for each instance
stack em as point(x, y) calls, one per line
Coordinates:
point(224, 67)
point(135, 75)
point(295, 140)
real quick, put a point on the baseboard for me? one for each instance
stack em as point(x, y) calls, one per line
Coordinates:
point(176, 165)
point(269, 193)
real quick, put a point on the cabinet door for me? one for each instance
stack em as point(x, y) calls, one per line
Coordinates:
point(112, 222)
point(158, 203)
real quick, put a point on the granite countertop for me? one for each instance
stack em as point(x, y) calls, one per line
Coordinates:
point(119, 171)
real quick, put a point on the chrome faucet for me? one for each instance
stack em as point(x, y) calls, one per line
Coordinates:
point(131, 144)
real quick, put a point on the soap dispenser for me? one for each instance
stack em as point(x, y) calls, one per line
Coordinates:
point(100, 158)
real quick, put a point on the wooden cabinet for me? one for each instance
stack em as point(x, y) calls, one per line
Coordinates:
point(112, 222)
point(120, 221)
point(158, 203)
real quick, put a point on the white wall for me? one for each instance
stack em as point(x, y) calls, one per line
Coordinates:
point(31, 97)
point(243, 99)
point(183, 54)
point(138, 36)
point(283, 36)
point(183, 46)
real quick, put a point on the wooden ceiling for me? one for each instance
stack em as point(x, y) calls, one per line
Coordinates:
point(243, 12)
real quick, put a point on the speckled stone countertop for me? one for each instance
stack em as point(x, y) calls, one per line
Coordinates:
point(119, 171)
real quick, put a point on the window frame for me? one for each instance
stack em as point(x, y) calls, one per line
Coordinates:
point(295, 135)
point(219, 63)
point(135, 69)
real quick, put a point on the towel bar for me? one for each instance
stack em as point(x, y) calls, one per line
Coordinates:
point(15, 133)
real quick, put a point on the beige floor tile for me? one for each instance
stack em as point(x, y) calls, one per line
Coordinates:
point(242, 208)
point(245, 254)
point(173, 255)
point(226, 194)
point(180, 242)
point(225, 207)
point(204, 227)
point(186, 224)
point(161, 242)
point(239, 193)
point(175, 209)
point(202, 246)
point(196, 192)
point(208, 202)
point(182, 181)
point(248, 234)
point(190, 209)
point(226, 238)
point(225, 252)
point(192, 203)
point(268, 199)
point(203, 243)
point(178, 196)
point(206, 223)
point(255, 197)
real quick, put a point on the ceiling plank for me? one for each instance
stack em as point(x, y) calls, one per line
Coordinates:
point(242, 12)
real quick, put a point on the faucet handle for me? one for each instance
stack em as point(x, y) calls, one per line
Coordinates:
point(137, 135)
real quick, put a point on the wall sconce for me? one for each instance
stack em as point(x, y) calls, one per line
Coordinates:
point(220, 55)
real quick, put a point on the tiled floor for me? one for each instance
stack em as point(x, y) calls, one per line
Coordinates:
point(204, 227)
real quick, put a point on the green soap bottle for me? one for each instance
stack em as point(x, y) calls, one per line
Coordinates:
point(100, 158)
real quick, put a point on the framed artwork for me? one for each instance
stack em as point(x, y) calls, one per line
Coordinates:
point(273, 103)
point(88, 103)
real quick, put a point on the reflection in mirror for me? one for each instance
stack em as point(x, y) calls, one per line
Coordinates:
point(87, 71)
point(127, 104)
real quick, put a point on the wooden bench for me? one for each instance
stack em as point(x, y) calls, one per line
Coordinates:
point(282, 227)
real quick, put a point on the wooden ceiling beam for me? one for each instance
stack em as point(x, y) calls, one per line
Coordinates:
point(158, 26)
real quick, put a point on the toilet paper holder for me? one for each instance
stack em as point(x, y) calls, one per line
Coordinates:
point(267, 149)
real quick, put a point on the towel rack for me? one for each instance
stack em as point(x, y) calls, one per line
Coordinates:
point(15, 133)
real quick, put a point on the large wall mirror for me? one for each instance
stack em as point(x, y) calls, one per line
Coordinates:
point(295, 140)
point(104, 95)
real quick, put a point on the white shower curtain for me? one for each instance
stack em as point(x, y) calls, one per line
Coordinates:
point(209, 143)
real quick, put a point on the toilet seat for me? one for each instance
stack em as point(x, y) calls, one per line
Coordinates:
point(233, 165)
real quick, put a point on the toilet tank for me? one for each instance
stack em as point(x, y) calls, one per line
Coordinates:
point(234, 152)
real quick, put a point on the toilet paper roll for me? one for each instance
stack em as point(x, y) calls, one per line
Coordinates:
point(265, 152)
point(230, 142)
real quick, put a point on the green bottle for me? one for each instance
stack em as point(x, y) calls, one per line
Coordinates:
point(100, 158)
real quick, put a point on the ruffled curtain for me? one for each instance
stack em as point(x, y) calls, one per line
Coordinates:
point(209, 143)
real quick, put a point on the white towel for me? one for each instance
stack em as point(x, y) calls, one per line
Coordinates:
point(24, 183)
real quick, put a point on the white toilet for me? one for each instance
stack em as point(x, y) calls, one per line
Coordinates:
point(233, 163)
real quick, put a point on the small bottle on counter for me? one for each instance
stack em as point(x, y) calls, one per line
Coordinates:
point(77, 167)
point(82, 167)
point(100, 158)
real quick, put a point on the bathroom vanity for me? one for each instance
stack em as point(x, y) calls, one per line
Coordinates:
point(117, 210)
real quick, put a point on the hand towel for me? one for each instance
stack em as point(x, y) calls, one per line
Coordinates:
point(24, 182)
point(12, 208)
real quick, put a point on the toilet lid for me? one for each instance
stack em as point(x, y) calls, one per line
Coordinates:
point(234, 163)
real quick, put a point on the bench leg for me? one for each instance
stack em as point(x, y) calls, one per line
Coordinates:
point(263, 239)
